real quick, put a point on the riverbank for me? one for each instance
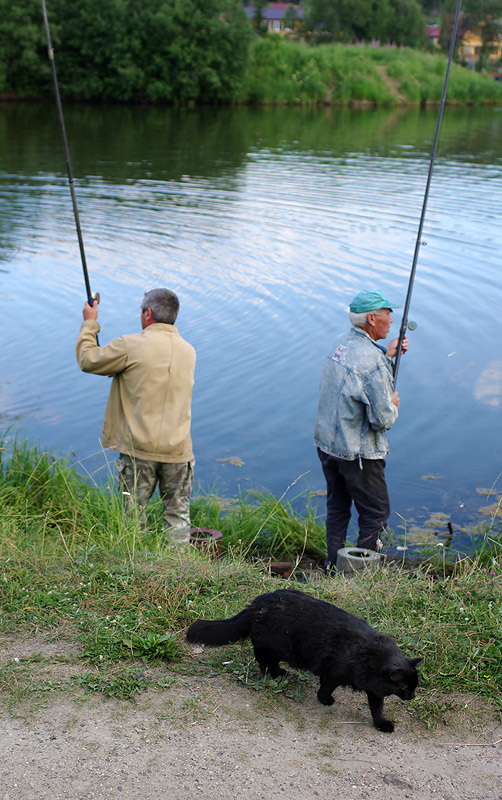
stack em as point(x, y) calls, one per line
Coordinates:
point(78, 571)
point(279, 71)
point(285, 72)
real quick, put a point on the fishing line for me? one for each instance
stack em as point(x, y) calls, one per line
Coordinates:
point(404, 323)
point(50, 51)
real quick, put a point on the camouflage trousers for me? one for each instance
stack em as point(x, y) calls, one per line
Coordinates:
point(138, 478)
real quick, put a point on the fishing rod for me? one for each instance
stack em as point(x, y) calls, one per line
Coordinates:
point(404, 323)
point(90, 296)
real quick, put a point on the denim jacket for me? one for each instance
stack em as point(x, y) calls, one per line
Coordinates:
point(355, 405)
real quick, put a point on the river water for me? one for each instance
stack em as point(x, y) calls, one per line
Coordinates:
point(265, 222)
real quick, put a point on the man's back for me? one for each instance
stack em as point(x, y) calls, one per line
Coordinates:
point(355, 402)
point(148, 412)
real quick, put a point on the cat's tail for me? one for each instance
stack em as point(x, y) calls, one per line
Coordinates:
point(220, 631)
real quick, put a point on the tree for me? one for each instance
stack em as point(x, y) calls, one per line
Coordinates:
point(259, 24)
point(407, 24)
point(399, 21)
point(24, 66)
point(479, 16)
point(157, 50)
point(322, 16)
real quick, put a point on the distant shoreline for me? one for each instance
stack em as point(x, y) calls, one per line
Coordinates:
point(291, 73)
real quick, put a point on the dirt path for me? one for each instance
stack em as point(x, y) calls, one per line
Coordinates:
point(392, 83)
point(208, 736)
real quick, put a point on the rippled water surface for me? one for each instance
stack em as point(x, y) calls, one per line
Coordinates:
point(265, 222)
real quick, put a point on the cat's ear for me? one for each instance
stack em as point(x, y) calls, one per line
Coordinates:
point(396, 675)
point(414, 662)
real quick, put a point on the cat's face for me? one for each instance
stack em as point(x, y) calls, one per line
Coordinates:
point(403, 678)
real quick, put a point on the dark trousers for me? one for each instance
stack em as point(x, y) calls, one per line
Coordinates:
point(347, 482)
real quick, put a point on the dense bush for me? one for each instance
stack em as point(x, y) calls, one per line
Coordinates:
point(157, 50)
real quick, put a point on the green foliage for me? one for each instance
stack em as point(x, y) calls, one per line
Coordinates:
point(291, 72)
point(259, 24)
point(123, 684)
point(158, 50)
point(151, 646)
point(24, 66)
point(243, 668)
point(398, 21)
point(406, 24)
point(261, 525)
point(282, 71)
point(185, 51)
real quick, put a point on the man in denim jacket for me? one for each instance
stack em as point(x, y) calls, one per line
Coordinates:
point(357, 406)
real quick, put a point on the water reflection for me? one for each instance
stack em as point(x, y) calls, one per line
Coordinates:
point(266, 222)
point(488, 387)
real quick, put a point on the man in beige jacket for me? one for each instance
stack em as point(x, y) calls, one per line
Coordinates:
point(148, 413)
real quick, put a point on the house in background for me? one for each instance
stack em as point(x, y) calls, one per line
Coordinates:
point(433, 32)
point(470, 49)
point(276, 16)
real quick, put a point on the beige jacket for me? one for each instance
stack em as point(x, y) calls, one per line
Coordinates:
point(149, 407)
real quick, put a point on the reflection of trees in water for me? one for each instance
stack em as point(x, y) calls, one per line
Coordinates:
point(125, 144)
point(121, 142)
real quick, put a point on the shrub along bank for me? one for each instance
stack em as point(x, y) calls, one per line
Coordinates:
point(281, 71)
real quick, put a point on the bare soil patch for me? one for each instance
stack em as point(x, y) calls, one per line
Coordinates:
point(206, 735)
point(392, 84)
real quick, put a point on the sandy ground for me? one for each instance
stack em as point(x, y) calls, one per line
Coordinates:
point(211, 737)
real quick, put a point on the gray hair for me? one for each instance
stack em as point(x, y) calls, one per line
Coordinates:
point(359, 320)
point(163, 304)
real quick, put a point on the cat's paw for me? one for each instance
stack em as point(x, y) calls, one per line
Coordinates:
point(276, 673)
point(325, 699)
point(385, 725)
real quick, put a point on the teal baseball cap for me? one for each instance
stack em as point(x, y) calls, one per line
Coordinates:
point(371, 301)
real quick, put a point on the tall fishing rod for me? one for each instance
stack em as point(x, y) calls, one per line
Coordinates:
point(404, 323)
point(50, 51)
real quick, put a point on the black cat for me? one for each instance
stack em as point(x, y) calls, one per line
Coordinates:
point(311, 634)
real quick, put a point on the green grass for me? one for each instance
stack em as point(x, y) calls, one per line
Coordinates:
point(262, 525)
point(75, 567)
point(289, 72)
